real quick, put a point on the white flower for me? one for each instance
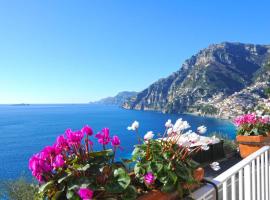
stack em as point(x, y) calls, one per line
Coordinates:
point(193, 137)
point(186, 144)
point(205, 147)
point(188, 133)
point(266, 117)
point(215, 166)
point(180, 125)
point(259, 113)
point(169, 131)
point(214, 139)
point(169, 124)
point(149, 135)
point(201, 129)
point(134, 126)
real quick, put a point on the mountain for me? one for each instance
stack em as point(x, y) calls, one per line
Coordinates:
point(119, 99)
point(216, 72)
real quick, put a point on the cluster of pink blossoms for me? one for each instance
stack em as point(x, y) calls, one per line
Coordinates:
point(149, 178)
point(250, 119)
point(85, 193)
point(46, 163)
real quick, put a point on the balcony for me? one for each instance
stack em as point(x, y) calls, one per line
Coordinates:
point(247, 180)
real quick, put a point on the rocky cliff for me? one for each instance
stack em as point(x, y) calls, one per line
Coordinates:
point(119, 99)
point(215, 72)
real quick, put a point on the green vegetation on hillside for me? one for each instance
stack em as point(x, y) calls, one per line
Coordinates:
point(19, 189)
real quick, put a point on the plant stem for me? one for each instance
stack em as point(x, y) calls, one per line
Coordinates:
point(114, 152)
point(138, 136)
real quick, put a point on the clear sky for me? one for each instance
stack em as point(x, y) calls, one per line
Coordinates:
point(55, 51)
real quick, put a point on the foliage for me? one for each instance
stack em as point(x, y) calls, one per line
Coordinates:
point(267, 91)
point(252, 124)
point(205, 109)
point(168, 162)
point(208, 109)
point(164, 164)
point(19, 189)
point(83, 172)
point(71, 169)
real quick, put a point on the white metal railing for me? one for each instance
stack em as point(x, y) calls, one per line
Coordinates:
point(247, 180)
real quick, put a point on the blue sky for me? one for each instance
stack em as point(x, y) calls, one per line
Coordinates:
point(78, 51)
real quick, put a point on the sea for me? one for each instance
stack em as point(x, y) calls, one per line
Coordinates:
point(27, 129)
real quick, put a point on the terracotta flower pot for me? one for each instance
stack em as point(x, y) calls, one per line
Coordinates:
point(158, 195)
point(250, 144)
point(198, 175)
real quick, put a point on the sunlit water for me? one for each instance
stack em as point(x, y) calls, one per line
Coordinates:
point(25, 130)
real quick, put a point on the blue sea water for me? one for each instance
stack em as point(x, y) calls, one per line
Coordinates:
point(25, 130)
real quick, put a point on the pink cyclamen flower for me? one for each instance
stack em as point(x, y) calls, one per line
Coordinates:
point(90, 143)
point(149, 178)
point(74, 138)
point(59, 161)
point(85, 193)
point(61, 143)
point(103, 136)
point(38, 165)
point(246, 119)
point(115, 141)
point(48, 152)
point(87, 130)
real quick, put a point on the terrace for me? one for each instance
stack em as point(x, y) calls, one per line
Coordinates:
point(246, 180)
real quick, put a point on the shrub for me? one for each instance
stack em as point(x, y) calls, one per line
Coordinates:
point(19, 189)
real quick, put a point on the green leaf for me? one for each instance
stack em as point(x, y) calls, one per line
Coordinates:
point(84, 168)
point(162, 176)
point(108, 152)
point(130, 193)
point(122, 177)
point(168, 187)
point(119, 182)
point(58, 195)
point(70, 194)
point(138, 169)
point(156, 167)
point(64, 178)
point(46, 186)
point(172, 176)
point(80, 182)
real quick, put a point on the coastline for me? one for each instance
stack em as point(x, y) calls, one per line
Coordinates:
point(184, 113)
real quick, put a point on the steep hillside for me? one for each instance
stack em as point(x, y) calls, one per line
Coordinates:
point(219, 70)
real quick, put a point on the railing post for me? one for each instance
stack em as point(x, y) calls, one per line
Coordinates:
point(247, 184)
point(233, 187)
point(262, 177)
point(253, 180)
point(258, 178)
point(224, 190)
point(266, 175)
point(240, 184)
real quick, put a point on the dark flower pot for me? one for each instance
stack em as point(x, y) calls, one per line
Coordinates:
point(215, 152)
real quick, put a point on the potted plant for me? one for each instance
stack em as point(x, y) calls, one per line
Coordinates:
point(229, 145)
point(71, 169)
point(253, 132)
point(163, 167)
